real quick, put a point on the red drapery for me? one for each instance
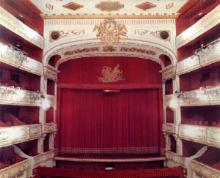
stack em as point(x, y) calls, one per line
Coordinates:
point(110, 122)
point(93, 122)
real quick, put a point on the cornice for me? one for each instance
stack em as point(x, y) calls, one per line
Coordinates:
point(114, 16)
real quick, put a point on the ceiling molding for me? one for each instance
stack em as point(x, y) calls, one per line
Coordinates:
point(113, 16)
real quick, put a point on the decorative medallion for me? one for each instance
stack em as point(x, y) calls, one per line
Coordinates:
point(109, 6)
point(110, 32)
point(110, 75)
point(146, 5)
point(54, 35)
point(72, 6)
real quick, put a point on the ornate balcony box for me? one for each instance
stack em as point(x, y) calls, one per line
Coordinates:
point(50, 72)
point(187, 65)
point(49, 127)
point(203, 57)
point(10, 22)
point(13, 135)
point(207, 22)
point(202, 134)
point(168, 72)
point(170, 128)
point(193, 133)
point(17, 96)
point(16, 58)
point(204, 170)
point(35, 131)
point(18, 134)
point(200, 97)
point(18, 170)
point(43, 157)
point(175, 158)
point(213, 136)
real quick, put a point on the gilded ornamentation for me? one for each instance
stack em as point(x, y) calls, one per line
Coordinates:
point(11, 95)
point(110, 75)
point(50, 73)
point(56, 35)
point(15, 57)
point(49, 6)
point(146, 5)
point(162, 34)
point(109, 6)
point(72, 6)
point(110, 32)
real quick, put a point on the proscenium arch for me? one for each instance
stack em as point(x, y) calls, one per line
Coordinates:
point(94, 43)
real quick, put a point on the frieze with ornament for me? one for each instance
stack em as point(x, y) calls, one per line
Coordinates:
point(57, 35)
point(162, 34)
point(110, 32)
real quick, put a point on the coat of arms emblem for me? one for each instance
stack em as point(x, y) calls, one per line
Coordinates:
point(110, 32)
point(111, 75)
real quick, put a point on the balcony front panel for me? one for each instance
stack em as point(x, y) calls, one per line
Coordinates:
point(213, 136)
point(193, 133)
point(204, 170)
point(16, 58)
point(10, 22)
point(49, 127)
point(200, 97)
point(201, 134)
point(43, 158)
point(203, 57)
point(18, 170)
point(207, 22)
point(18, 134)
point(17, 96)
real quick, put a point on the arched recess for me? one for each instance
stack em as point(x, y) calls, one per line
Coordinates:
point(127, 47)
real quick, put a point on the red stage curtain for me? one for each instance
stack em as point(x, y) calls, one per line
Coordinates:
point(128, 121)
point(110, 122)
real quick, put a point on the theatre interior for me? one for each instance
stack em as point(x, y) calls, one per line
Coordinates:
point(110, 88)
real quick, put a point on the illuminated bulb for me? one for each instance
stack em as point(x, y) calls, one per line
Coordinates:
point(173, 103)
point(14, 133)
point(31, 33)
point(45, 104)
point(19, 94)
point(189, 33)
point(3, 48)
